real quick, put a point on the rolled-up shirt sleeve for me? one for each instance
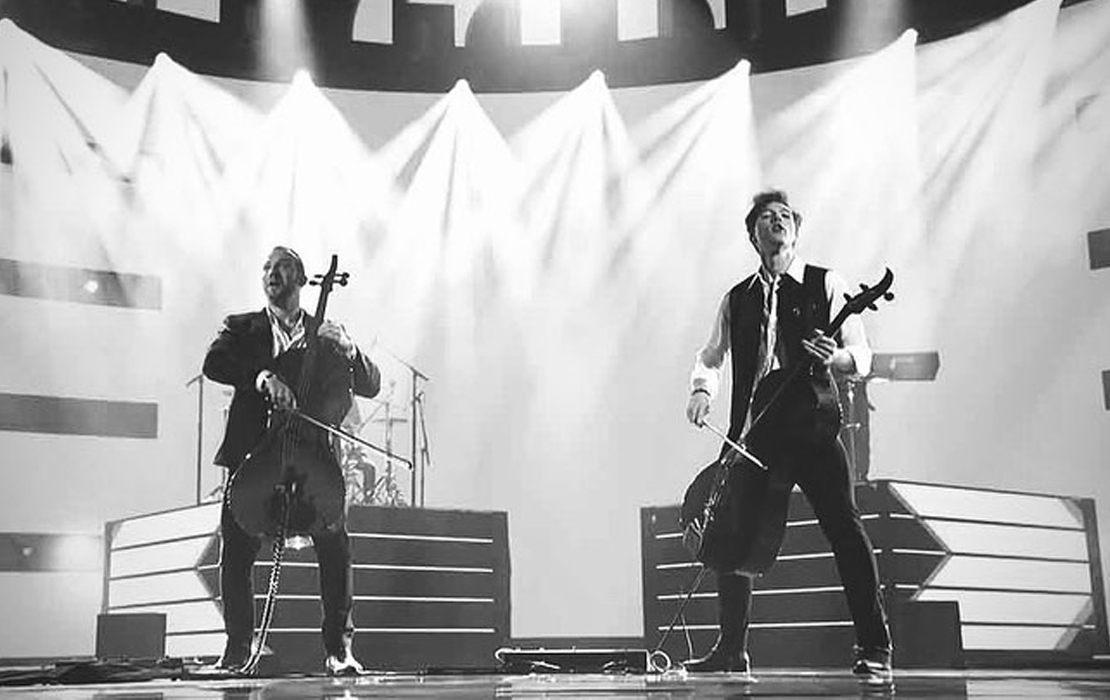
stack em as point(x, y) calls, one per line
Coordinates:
point(853, 337)
point(709, 360)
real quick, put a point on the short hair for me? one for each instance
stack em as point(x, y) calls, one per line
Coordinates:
point(302, 278)
point(760, 202)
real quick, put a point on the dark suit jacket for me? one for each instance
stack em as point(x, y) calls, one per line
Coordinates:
point(244, 348)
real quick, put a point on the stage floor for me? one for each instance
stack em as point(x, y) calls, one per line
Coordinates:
point(1064, 683)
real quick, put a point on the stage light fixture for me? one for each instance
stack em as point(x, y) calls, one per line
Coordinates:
point(684, 18)
point(325, 20)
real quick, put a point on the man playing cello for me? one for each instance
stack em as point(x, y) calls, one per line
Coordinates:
point(248, 354)
point(761, 325)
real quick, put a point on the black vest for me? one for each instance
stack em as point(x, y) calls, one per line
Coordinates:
point(801, 309)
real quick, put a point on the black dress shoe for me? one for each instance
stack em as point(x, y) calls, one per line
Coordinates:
point(233, 658)
point(344, 664)
point(720, 661)
point(227, 665)
point(873, 665)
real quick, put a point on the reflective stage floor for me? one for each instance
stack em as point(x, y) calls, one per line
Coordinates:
point(1063, 683)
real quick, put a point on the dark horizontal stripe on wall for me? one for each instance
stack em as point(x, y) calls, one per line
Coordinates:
point(1098, 248)
point(79, 285)
point(37, 551)
point(62, 415)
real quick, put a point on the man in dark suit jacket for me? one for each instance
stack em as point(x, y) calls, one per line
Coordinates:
point(248, 354)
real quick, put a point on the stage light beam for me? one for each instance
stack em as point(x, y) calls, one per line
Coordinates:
point(285, 46)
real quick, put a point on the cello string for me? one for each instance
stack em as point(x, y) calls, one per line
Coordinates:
point(292, 428)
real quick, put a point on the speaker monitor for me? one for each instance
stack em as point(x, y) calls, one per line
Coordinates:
point(927, 634)
point(131, 636)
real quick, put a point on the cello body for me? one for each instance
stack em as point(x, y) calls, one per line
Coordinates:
point(294, 463)
point(734, 513)
point(747, 520)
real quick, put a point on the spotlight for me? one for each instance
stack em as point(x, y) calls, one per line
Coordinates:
point(303, 78)
point(495, 24)
point(327, 20)
point(684, 18)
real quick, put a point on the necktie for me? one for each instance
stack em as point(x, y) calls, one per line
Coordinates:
point(770, 329)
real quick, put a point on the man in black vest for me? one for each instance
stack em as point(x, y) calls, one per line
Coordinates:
point(768, 322)
point(247, 354)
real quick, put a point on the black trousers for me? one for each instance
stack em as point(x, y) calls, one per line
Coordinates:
point(822, 473)
point(237, 555)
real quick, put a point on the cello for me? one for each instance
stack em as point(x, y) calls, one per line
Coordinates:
point(733, 515)
point(291, 483)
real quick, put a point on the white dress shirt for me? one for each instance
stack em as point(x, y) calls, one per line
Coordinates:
point(284, 340)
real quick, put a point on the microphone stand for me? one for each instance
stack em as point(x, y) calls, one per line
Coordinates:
point(199, 381)
point(420, 457)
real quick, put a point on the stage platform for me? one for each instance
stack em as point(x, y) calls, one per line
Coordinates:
point(972, 577)
point(1071, 683)
point(431, 590)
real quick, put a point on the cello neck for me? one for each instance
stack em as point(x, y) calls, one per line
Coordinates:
point(326, 282)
